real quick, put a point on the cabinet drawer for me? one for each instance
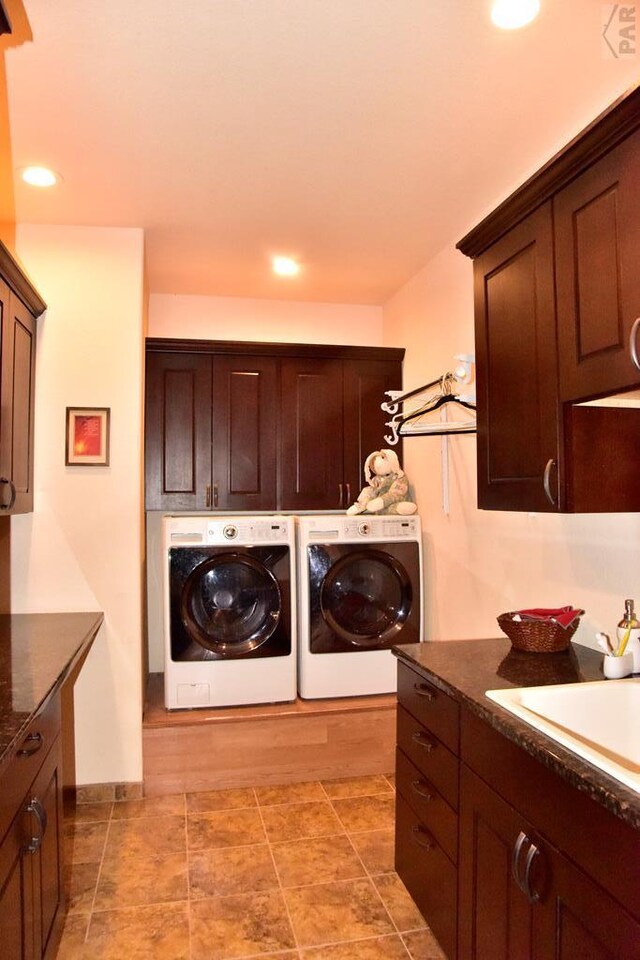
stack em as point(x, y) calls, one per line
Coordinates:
point(430, 806)
point(428, 875)
point(435, 709)
point(21, 768)
point(429, 755)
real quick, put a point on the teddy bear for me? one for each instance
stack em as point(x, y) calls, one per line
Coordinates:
point(387, 487)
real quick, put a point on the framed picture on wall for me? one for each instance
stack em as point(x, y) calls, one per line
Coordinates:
point(87, 443)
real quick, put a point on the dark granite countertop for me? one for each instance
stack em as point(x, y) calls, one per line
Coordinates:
point(465, 669)
point(37, 653)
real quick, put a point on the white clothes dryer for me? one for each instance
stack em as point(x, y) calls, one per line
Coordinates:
point(229, 610)
point(360, 593)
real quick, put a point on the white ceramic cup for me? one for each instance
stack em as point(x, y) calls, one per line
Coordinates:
point(617, 667)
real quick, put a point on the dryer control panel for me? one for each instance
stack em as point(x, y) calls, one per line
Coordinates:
point(363, 527)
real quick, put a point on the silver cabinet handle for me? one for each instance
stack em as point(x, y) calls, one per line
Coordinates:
point(341, 494)
point(524, 882)
point(215, 495)
point(207, 496)
point(12, 498)
point(546, 482)
point(348, 486)
point(515, 859)
point(35, 841)
point(533, 896)
point(633, 343)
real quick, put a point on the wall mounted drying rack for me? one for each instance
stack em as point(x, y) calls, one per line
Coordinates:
point(412, 411)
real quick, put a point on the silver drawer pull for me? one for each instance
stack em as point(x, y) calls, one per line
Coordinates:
point(417, 786)
point(423, 838)
point(423, 741)
point(35, 740)
point(424, 691)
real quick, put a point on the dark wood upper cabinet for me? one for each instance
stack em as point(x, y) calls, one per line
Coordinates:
point(245, 432)
point(19, 307)
point(365, 383)
point(557, 296)
point(5, 23)
point(253, 427)
point(597, 236)
point(312, 435)
point(516, 369)
point(178, 431)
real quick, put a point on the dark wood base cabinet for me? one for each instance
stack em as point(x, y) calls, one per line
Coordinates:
point(31, 882)
point(427, 803)
point(505, 859)
point(521, 898)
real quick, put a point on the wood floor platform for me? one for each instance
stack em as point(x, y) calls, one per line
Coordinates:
point(189, 750)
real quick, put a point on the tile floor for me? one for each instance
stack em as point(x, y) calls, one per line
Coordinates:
point(297, 872)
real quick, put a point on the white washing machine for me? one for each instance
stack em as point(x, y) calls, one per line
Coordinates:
point(229, 610)
point(360, 593)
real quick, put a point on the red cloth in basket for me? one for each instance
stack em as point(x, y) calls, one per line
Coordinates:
point(561, 615)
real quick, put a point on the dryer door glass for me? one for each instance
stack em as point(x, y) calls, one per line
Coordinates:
point(230, 604)
point(365, 598)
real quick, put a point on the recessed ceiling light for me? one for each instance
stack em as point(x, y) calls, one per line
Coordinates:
point(285, 266)
point(512, 14)
point(39, 176)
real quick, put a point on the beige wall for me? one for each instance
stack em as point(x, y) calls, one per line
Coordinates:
point(81, 549)
point(277, 321)
point(480, 563)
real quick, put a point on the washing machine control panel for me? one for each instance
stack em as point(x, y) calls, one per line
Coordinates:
point(250, 531)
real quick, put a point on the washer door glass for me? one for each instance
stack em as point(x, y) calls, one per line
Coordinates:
point(231, 604)
point(366, 597)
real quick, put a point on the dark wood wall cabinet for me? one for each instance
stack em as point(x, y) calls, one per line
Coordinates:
point(5, 23)
point(20, 305)
point(557, 323)
point(505, 859)
point(251, 427)
point(31, 881)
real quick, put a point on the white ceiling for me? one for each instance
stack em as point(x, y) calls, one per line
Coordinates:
point(360, 135)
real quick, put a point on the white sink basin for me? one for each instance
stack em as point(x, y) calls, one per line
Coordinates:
point(599, 721)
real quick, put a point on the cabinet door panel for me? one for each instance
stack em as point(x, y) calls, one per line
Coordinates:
point(178, 431)
point(312, 435)
point(518, 420)
point(597, 229)
point(17, 912)
point(496, 919)
point(244, 432)
point(17, 395)
point(365, 383)
point(581, 921)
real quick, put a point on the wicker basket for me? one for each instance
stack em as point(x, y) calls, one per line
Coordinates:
point(537, 636)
